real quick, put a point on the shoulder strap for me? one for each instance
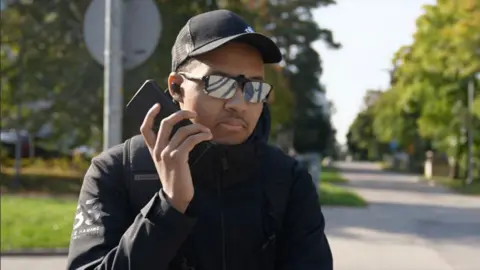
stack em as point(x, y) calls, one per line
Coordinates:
point(126, 163)
point(276, 189)
point(137, 162)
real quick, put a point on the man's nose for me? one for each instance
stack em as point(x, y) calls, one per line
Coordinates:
point(237, 102)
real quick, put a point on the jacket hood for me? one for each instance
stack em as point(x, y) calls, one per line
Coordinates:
point(261, 133)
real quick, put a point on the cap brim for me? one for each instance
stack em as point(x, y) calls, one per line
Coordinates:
point(267, 48)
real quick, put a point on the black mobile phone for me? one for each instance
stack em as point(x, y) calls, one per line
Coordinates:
point(148, 95)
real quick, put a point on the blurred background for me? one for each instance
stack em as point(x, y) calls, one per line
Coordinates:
point(379, 99)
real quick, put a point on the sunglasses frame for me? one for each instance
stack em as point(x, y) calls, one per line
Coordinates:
point(240, 79)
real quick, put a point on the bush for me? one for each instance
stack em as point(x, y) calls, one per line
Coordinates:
point(3, 155)
point(57, 164)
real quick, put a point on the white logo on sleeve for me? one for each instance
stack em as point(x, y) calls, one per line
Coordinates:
point(85, 219)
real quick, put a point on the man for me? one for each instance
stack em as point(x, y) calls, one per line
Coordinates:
point(244, 205)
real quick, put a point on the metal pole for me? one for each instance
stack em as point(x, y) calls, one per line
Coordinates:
point(470, 133)
point(113, 74)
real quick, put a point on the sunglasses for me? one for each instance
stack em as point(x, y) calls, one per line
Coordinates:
point(225, 87)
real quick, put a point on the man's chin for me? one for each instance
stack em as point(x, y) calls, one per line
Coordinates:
point(232, 139)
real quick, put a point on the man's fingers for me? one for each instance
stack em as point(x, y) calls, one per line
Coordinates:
point(147, 126)
point(189, 143)
point(167, 124)
point(184, 132)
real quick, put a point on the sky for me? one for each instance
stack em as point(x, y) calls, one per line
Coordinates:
point(370, 31)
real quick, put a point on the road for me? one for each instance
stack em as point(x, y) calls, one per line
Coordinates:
point(407, 226)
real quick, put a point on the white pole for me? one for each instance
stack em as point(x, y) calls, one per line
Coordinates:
point(113, 74)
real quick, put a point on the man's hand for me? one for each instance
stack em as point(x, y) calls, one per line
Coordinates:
point(171, 155)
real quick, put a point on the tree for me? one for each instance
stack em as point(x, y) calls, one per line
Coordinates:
point(362, 138)
point(56, 67)
point(292, 27)
point(448, 31)
point(427, 99)
point(281, 100)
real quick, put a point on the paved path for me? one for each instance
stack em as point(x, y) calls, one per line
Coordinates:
point(33, 263)
point(407, 226)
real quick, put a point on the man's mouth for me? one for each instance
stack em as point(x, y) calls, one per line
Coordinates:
point(233, 124)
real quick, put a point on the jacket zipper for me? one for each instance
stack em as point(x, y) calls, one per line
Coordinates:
point(222, 221)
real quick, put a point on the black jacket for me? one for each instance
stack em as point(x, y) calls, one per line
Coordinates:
point(129, 225)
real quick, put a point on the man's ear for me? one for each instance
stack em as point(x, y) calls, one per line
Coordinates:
point(174, 83)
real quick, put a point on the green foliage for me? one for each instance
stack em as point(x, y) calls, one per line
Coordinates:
point(282, 98)
point(58, 69)
point(362, 137)
point(291, 25)
point(3, 155)
point(44, 59)
point(427, 100)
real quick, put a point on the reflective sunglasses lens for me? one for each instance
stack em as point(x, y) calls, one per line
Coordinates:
point(224, 87)
point(256, 92)
point(220, 86)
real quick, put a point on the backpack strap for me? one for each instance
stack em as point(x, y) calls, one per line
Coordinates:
point(137, 165)
point(126, 163)
point(137, 162)
point(276, 189)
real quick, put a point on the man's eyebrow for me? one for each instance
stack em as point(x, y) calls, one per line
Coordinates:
point(260, 78)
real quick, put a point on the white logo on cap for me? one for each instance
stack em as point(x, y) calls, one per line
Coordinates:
point(249, 30)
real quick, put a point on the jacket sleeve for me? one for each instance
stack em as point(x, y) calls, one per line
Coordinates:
point(302, 243)
point(107, 235)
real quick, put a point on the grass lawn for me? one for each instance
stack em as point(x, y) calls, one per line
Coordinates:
point(38, 212)
point(332, 195)
point(33, 222)
point(331, 175)
point(46, 221)
point(42, 222)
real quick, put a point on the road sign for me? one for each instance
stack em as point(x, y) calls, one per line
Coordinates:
point(141, 31)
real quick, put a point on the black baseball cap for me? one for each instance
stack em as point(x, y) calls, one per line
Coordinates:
point(208, 31)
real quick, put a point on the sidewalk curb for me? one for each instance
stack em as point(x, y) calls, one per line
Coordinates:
point(36, 252)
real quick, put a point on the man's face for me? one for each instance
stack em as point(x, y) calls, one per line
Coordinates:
point(230, 120)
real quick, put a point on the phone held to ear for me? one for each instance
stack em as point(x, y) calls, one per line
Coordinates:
point(148, 95)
